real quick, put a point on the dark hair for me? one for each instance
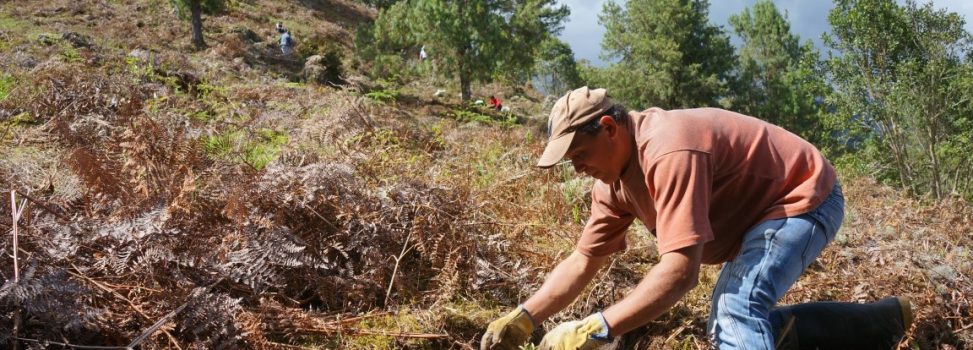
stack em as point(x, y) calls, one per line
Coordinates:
point(617, 112)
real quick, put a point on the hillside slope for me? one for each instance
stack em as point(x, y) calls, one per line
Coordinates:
point(214, 194)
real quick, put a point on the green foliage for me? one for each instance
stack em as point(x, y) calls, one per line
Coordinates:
point(193, 10)
point(316, 44)
point(6, 85)
point(383, 96)
point(666, 54)
point(210, 7)
point(473, 115)
point(386, 92)
point(381, 46)
point(379, 4)
point(21, 119)
point(70, 54)
point(779, 79)
point(254, 149)
point(135, 67)
point(471, 40)
point(530, 25)
point(557, 70)
point(902, 85)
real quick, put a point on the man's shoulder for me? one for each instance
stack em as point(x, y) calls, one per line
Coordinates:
point(660, 132)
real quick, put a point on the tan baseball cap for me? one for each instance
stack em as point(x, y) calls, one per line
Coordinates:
point(571, 111)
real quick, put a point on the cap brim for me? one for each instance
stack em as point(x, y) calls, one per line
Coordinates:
point(555, 150)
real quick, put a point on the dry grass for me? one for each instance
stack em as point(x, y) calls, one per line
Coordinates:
point(281, 215)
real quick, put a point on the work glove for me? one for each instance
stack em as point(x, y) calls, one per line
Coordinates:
point(508, 332)
point(587, 334)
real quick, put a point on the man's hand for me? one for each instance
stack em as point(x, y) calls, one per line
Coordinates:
point(587, 334)
point(508, 332)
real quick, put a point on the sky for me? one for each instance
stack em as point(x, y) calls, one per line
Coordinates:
point(808, 18)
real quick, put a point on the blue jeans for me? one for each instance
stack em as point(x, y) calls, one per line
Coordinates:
point(773, 255)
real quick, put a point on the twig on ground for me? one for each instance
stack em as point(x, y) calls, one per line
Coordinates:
point(158, 324)
point(355, 319)
point(15, 212)
point(405, 249)
point(288, 346)
point(357, 331)
point(102, 286)
point(72, 346)
point(44, 206)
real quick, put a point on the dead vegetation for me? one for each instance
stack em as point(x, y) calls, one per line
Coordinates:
point(193, 201)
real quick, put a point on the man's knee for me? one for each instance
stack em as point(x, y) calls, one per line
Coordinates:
point(738, 323)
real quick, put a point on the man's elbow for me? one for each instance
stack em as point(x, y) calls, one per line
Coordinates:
point(587, 264)
point(684, 267)
point(689, 281)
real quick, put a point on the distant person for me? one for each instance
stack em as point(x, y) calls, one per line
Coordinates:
point(713, 187)
point(495, 103)
point(286, 40)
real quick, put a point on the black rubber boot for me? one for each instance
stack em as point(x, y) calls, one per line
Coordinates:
point(834, 325)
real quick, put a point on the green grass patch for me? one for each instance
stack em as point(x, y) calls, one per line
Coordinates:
point(486, 168)
point(466, 116)
point(23, 119)
point(393, 323)
point(383, 96)
point(70, 54)
point(7, 83)
point(8, 23)
point(255, 149)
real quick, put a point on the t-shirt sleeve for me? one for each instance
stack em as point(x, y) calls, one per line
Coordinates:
point(681, 185)
point(604, 233)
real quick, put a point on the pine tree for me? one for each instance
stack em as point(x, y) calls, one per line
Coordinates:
point(195, 9)
point(472, 39)
point(665, 53)
point(779, 79)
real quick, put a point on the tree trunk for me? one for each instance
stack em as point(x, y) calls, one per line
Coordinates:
point(464, 83)
point(196, 11)
point(464, 77)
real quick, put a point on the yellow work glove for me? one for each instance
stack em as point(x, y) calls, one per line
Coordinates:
point(588, 334)
point(508, 332)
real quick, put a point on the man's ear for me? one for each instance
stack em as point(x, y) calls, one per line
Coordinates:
point(609, 124)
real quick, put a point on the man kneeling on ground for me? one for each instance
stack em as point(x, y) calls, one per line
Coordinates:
point(713, 187)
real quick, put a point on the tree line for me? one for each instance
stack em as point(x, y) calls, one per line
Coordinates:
point(890, 98)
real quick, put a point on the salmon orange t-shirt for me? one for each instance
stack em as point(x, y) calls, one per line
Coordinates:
point(705, 176)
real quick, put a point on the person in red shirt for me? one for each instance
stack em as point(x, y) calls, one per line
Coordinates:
point(713, 187)
point(495, 103)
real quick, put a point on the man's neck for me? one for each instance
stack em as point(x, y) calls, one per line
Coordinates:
point(628, 128)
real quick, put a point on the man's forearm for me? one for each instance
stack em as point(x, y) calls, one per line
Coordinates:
point(563, 285)
point(659, 290)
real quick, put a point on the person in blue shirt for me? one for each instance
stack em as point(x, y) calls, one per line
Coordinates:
point(286, 40)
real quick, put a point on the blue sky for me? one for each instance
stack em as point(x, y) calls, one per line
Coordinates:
point(809, 19)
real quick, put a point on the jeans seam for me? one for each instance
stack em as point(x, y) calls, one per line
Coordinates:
point(720, 294)
point(807, 244)
point(762, 271)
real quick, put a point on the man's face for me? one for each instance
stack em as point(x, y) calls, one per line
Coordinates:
point(600, 155)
